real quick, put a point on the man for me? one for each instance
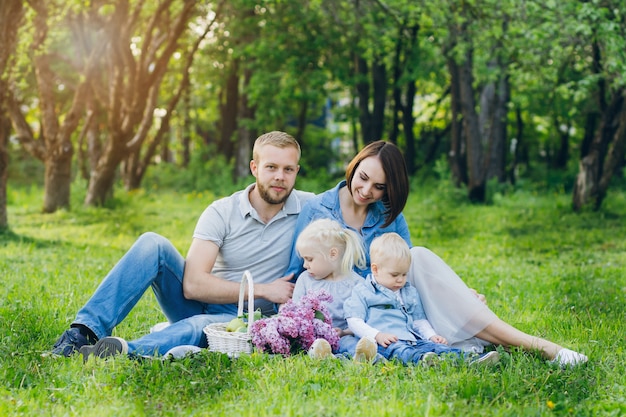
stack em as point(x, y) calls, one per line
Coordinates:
point(250, 230)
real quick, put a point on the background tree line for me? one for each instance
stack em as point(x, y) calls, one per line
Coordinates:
point(104, 89)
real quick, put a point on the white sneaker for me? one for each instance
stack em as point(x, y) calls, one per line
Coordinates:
point(159, 326)
point(366, 350)
point(567, 357)
point(429, 359)
point(178, 352)
point(489, 358)
point(320, 349)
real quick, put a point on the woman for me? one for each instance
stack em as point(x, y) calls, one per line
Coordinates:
point(370, 201)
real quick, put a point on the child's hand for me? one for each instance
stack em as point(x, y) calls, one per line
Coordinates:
point(439, 339)
point(385, 339)
point(343, 332)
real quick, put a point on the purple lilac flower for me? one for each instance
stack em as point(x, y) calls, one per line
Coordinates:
point(297, 326)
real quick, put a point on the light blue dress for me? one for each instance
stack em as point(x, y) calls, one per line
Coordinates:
point(339, 289)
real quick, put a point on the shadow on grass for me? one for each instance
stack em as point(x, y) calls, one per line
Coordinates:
point(9, 237)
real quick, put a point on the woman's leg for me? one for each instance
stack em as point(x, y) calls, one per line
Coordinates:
point(501, 333)
point(458, 314)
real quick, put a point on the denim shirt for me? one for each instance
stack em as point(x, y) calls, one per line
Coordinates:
point(326, 205)
point(379, 308)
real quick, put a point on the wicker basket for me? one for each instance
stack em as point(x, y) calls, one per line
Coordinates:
point(233, 343)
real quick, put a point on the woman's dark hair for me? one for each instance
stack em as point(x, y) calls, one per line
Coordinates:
point(397, 185)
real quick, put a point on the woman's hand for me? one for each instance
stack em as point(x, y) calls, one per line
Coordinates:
point(481, 297)
point(439, 339)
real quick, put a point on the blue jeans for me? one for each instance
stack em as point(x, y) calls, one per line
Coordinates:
point(402, 350)
point(151, 262)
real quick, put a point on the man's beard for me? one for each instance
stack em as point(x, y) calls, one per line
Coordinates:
point(266, 195)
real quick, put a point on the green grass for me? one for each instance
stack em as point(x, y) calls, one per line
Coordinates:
point(544, 269)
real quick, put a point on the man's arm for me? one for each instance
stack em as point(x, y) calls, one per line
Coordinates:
point(201, 285)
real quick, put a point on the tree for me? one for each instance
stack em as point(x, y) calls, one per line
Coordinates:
point(141, 42)
point(275, 76)
point(136, 164)
point(605, 155)
point(59, 117)
point(11, 13)
point(606, 38)
point(479, 91)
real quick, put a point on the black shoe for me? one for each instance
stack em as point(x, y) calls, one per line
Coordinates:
point(105, 347)
point(69, 343)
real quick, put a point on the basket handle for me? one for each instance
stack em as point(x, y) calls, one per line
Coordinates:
point(246, 278)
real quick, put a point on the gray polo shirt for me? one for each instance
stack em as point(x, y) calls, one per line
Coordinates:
point(246, 242)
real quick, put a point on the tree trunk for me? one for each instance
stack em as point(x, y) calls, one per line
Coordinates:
point(94, 146)
point(397, 91)
point(457, 157)
point(402, 66)
point(229, 111)
point(83, 161)
point(301, 120)
point(245, 136)
point(591, 124)
point(408, 122)
point(591, 167)
point(59, 147)
point(58, 177)
point(186, 128)
point(363, 96)
point(353, 125)
point(11, 12)
point(379, 74)
point(496, 159)
point(5, 131)
point(100, 187)
point(130, 169)
point(476, 179)
point(614, 158)
point(516, 144)
point(562, 153)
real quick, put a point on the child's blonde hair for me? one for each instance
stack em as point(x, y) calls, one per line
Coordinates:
point(389, 246)
point(328, 234)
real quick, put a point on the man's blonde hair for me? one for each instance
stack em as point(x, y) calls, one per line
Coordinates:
point(389, 246)
point(275, 138)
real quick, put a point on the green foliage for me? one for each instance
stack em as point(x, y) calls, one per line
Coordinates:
point(544, 269)
point(24, 170)
point(207, 170)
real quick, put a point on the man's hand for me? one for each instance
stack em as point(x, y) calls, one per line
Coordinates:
point(439, 339)
point(385, 339)
point(279, 291)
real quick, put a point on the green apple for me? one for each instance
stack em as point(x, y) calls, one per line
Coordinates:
point(234, 324)
point(242, 329)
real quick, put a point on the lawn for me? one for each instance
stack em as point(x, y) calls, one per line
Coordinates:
point(544, 269)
